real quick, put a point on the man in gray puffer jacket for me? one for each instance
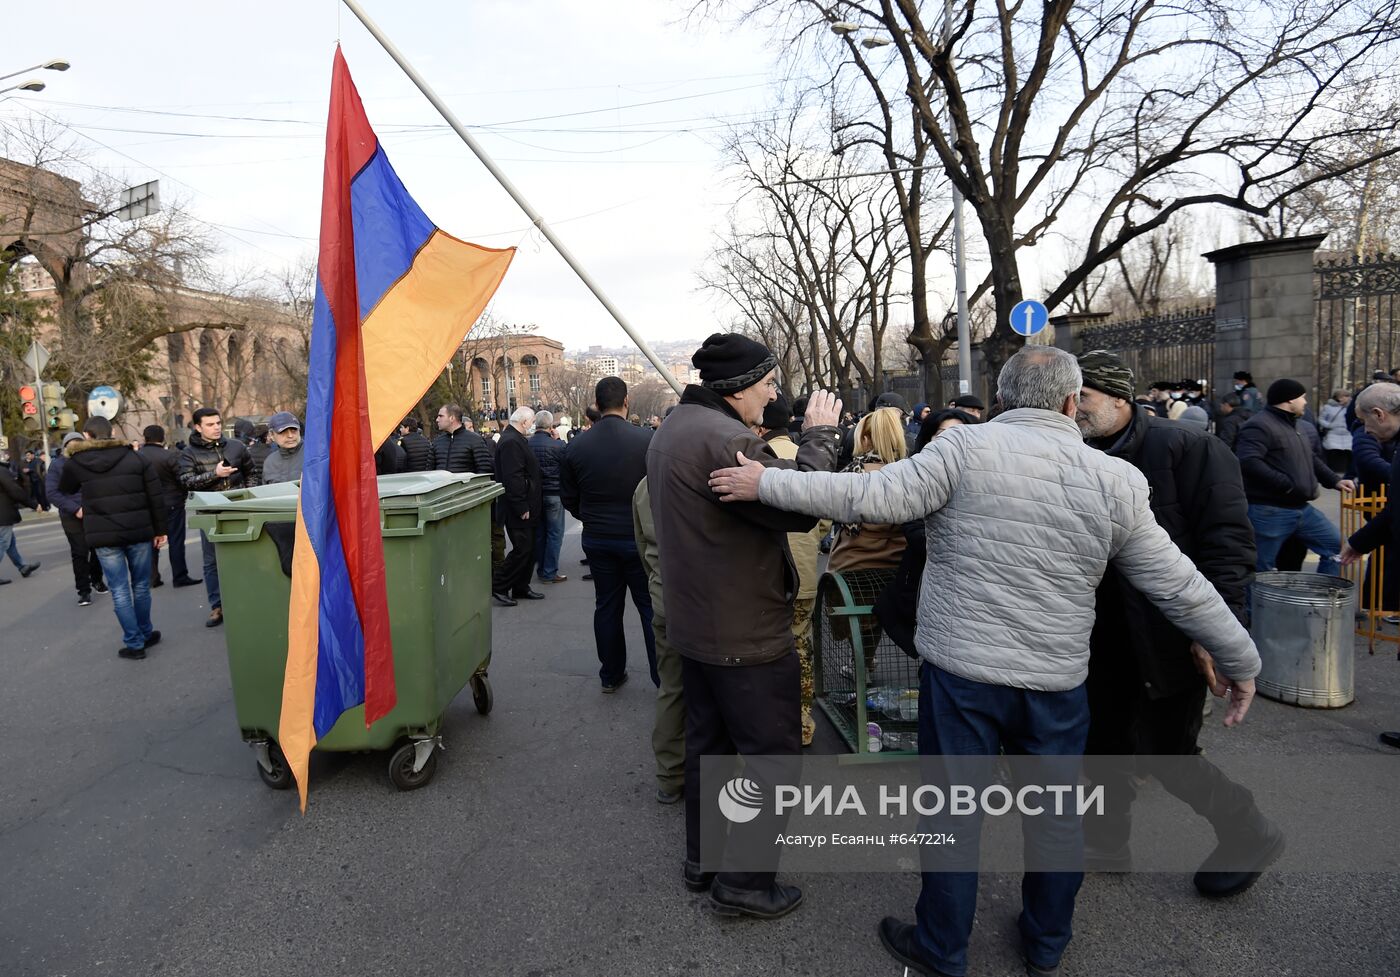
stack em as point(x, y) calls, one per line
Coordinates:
point(1022, 519)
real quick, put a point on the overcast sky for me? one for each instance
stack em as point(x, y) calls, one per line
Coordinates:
point(604, 114)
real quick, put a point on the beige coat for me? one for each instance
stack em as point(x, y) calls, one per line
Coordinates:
point(804, 546)
point(878, 545)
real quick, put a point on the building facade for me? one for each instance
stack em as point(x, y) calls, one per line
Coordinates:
point(509, 371)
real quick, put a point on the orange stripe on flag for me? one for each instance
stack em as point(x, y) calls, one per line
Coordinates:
point(418, 325)
point(295, 733)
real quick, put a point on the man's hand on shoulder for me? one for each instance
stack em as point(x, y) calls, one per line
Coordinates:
point(823, 410)
point(738, 484)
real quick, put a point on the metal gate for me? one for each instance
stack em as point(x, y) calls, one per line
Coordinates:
point(1356, 321)
point(1178, 346)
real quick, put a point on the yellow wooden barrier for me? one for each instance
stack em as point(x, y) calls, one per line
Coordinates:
point(1356, 511)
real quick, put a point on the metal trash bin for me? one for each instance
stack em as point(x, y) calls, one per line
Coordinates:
point(1302, 625)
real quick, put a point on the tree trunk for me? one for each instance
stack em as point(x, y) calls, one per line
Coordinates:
point(1003, 343)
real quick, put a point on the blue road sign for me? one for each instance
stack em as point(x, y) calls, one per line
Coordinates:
point(1029, 317)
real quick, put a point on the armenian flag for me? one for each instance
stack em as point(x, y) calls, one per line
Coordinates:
point(395, 296)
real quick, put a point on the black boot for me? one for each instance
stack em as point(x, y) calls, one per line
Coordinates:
point(1240, 858)
point(696, 880)
point(898, 938)
point(770, 903)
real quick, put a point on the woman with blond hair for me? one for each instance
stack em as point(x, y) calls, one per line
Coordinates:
point(879, 440)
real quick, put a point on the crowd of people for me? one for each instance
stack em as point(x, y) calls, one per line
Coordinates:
point(119, 502)
point(1070, 568)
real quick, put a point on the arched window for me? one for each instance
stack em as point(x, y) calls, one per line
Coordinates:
point(532, 370)
point(483, 372)
point(175, 346)
point(508, 367)
point(206, 367)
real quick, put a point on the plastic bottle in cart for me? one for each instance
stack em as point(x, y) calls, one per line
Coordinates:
point(896, 741)
point(882, 700)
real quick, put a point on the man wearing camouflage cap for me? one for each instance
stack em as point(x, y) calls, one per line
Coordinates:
point(1149, 700)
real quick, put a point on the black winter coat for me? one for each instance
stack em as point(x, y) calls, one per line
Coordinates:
point(199, 459)
point(12, 498)
point(460, 451)
point(167, 467)
point(257, 454)
point(67, 505)
point(897, 606)
point(1278, 465)
point(1384, 530)
point(549, 452)
point(519, 474)
point(417, 449)
point(1371, 459)
point(1227, 428)
point(390, 459)
point(122, 500)
point(1198, 498)
point(599, 476)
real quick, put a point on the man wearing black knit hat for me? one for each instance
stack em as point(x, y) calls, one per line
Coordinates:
point(730, 586)
point(1281, 475)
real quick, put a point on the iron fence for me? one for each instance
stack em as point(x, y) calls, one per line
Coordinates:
point(1176, 346)
point(1357, 318)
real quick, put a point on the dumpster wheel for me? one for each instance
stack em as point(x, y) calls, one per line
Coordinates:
point(481, 694)
point(277, 774)
point(401, 772)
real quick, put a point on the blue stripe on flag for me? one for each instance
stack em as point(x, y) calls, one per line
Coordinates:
point(389, 229)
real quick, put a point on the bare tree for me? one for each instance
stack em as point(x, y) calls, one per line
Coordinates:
point(1359, 209)
point(567, 386)
point(1119, 114)
point(812, 256)
point(118, 285)
point(286, 358)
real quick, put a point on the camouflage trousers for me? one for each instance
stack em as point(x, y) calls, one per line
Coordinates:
point(802, 636)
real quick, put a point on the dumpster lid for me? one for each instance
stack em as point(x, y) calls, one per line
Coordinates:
point(410, 490)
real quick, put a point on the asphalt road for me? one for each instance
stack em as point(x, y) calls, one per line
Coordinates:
point(136, 838)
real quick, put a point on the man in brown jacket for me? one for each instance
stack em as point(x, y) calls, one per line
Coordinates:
point(730, 583)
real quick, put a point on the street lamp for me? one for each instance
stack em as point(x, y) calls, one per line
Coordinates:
point(58, 64)
point(32, 85)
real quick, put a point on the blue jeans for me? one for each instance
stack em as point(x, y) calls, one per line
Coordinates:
point(175, 542)
point(549, 537)
point(1273, 525)
point(960, 717)
point(617, 568)
point(128, 573)
point(8, 545)
point(211, 572)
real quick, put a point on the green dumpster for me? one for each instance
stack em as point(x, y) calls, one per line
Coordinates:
point(437, 557)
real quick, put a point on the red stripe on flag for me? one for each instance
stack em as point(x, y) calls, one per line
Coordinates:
point(349, 146)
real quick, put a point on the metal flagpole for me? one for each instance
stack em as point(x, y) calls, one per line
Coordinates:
point(509, 188)
point(959, 260)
